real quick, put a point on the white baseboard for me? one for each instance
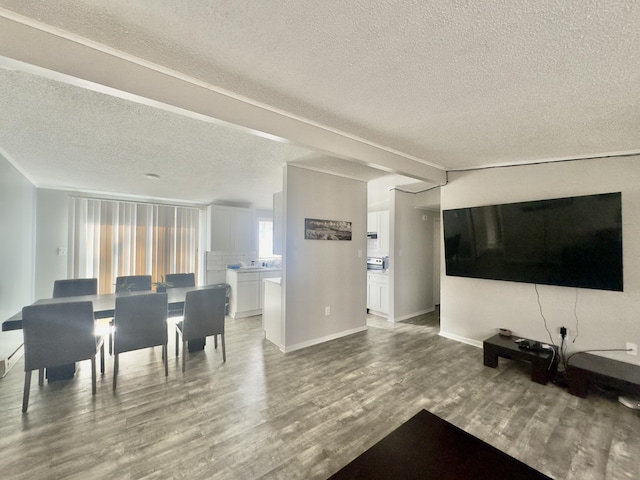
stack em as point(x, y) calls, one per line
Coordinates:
point(249, 313)
point(316, 341)
point(458, 338)
point(11, 350)
point(411, 315)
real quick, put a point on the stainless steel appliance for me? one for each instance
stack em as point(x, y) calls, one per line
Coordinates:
point(377, 263)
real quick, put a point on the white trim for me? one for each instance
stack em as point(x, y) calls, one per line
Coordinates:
point(458, 338)
point(11, 350)
point(317, 341)
point(245, 314)
point(411, 315)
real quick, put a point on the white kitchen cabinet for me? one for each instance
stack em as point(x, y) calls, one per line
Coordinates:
point(272, 312)
point(378, 293)
point(245, 293)
point(247, 290)
point(378, 222)
point(232, 229)
point(383, 232)
point(267, 274)
point(243, 230)
point(372, 222)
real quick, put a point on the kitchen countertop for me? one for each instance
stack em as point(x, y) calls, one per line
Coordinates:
point(255, 269)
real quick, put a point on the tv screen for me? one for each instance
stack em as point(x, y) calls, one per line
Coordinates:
point(573, 242)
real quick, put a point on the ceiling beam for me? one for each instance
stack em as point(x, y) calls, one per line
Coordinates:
point(94, 66)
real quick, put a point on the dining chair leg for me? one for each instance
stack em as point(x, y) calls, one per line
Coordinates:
point(215, 341)
point(166, 360)
point(93, 375)
point(184, 354)
point(102, 358)
point(27, 387)
point(115, 370)
point(41, 376)
point(177, 343)
point(224, 353)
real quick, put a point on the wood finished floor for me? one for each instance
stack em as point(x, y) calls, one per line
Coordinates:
point(302, 415)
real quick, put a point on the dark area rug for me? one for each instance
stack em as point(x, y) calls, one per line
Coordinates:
point(428, 447)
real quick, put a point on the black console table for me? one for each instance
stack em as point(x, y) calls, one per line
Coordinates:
point(543, 364)
point(584, 369)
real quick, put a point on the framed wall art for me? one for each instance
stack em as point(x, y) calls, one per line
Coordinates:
point(316, 229)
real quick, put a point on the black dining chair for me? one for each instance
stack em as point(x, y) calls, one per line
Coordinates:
point(140, 322)
point(133, 283)
point(180, 280)
point(129, 283)
point(75, 287)
point(59, 334)
point(70, 288)
point(203, 317)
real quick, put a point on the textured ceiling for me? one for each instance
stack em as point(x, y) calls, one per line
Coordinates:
point(454, 84)
point(64, 136)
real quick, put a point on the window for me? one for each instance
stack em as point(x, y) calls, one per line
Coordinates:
point(265, 239)
point(110, 239)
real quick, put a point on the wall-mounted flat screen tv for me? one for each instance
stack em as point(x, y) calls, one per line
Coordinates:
point(573, 242)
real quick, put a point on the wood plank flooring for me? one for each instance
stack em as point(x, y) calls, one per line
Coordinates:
point(303, 415)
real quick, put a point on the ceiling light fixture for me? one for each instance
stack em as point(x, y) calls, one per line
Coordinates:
point(152, 176)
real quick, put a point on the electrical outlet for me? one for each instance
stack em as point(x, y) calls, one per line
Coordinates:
point(327, 311)
point(567, 332)
point(632, 348)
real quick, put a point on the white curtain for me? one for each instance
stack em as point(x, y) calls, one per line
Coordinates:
point(110, 238)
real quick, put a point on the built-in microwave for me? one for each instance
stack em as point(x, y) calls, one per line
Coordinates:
point(377, 263)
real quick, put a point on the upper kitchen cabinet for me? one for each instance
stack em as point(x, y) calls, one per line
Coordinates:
point(378, 224)
point(232, 229)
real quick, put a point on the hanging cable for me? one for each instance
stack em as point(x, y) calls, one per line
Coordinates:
point(575, 314)
point(542, 314)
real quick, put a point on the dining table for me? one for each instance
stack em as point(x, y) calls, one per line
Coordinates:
point(104, 305)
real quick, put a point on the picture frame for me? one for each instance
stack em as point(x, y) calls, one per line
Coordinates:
point(318, 229)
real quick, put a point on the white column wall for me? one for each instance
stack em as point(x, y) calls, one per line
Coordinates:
point(323, 273)
point(411, 270)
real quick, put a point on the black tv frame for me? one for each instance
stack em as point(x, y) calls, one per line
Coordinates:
point(571, 241)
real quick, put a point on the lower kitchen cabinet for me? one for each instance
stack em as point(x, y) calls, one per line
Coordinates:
point(247, 290)
point(378, 293)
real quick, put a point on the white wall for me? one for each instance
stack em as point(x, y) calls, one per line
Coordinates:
point(437, 264)
point(320, 273)
point(52, 232)
point(17, 255)
point(472, 309)
point(411, 258)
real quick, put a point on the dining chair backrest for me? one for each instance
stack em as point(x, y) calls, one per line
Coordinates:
point(204, 313)
point(140, 321)
point(133, 283)
point(58, 334)
point(178, 280)
point(227, 288)
point(74, 287)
